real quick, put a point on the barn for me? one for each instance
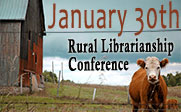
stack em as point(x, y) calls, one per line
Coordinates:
point(21, 41)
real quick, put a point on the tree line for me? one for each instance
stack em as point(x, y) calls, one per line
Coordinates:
point(170, 79)
point(173, 80)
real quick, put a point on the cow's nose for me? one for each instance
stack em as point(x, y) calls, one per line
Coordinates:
point(152, 77)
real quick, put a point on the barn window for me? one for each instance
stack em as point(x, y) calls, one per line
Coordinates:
point(29, 35)
point(35, 58)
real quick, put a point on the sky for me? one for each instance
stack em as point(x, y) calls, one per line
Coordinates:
point(56, 44)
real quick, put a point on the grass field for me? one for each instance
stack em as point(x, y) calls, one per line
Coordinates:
point(75, 94)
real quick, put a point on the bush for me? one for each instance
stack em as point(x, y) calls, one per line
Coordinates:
point(49, 76)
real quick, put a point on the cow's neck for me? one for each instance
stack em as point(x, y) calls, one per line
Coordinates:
point(152, 89)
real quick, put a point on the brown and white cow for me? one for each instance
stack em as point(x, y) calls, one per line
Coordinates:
point(148, 89)
point(172, 104)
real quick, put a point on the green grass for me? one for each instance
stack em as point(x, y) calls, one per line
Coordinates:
point(174, 93)
point(69, 93)
point(103, 93)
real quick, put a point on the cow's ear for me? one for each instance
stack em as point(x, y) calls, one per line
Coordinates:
point(164, 62)
point(141, 63)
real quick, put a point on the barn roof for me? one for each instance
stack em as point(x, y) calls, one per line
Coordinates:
point(13, 9)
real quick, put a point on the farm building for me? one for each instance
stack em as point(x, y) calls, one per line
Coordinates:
point(21, 41)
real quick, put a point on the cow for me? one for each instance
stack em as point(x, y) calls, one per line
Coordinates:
point(148, 90)
point(172, 104)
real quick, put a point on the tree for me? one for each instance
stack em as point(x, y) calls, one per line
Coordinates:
point(169, 76)
point(178, 78)
point(172, 81)
point(49, 76)
point(166, 80)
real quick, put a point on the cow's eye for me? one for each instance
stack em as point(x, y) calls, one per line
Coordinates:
point(158, 67)
point(146, 67)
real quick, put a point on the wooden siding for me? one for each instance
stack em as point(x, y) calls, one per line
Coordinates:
point(31, 64)
point(25, 46)
point(32, 42)
point(10, 52)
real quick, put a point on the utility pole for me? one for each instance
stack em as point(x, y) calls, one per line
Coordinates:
point(53, 72)
point(58, 84)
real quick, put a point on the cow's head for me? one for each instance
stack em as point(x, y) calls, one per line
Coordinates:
point(152, 65)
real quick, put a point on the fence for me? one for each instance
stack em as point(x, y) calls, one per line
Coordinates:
point(69, 107)
point(72, 98)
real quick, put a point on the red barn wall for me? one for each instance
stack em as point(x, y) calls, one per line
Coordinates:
point(30, 63)
point(32, 41)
